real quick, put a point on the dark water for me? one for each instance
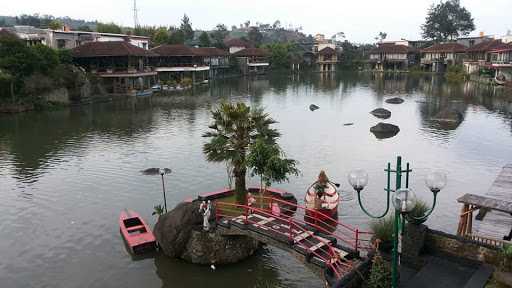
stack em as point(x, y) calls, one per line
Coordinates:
point(65, 175)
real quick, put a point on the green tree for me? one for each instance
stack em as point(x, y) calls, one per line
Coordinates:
point(85, 28)
point(255, 36)
point(447, 20)
point(279, 56)
point(380, 273)
point(177, 36)
point(204, 40)
point(235, 127)
point(55, 25)
point(186, 27)
point(108, 28)
point(267, 161)
point(161, 36)
point(219, 34)
point(381, 36)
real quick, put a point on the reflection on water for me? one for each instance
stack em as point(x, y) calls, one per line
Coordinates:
point(65, 175)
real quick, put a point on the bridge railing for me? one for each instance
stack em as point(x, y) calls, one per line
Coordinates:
point(328, 256)
point(346, 235)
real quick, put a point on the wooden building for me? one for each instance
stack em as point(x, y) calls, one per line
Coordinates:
point(438, 57)
point(122, 67)
point(327, 59)
point(478, 55)
point(178, 62)
point(217, 59)
point(253, 60)
point(392, 56)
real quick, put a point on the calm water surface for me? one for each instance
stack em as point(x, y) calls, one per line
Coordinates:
point(65, 175)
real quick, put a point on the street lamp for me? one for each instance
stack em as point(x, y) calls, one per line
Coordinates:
point(161, 172)
point(403, 201)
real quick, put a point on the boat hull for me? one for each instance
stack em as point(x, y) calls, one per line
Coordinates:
point(136, 233)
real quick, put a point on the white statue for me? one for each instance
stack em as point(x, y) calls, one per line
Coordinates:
point(205, 208)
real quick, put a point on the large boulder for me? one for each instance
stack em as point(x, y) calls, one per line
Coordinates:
point(384, 130)
point(381, 113)
point(313, 107)
point(395, 100)
point(208, 248)
point(180, 235)
point(173, 229)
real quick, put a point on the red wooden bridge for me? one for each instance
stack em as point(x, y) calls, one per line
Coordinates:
point(333, 250)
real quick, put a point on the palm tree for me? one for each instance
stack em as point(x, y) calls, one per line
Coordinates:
point(234, 128)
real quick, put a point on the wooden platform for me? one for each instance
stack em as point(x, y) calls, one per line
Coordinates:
point(494, 219)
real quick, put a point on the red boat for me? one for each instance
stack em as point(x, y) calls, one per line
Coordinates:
point(323, 197)
point(136, 232)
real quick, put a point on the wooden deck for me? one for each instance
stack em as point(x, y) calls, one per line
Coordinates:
point(494, 219)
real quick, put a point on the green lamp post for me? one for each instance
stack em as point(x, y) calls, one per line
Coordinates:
point(403, 201)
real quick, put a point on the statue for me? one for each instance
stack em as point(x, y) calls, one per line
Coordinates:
point(205, 208)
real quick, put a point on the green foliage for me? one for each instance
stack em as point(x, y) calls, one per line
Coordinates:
point(85, 28)
point(55, 25)
point(381, 36)
point(455, 73)
point(380, 273)
point(383, 228)
point(186, 28)
point(108, 28)
point(267, 161)
point(158, 210)
point(160, 36)
point(65, 56)
point(235, 127)
point(177, 36)
point(46, 58)
point(255, 36)
point(204, 40)
point(279, 55)
point(419, 210)
point(219, 34)
point(447, 20)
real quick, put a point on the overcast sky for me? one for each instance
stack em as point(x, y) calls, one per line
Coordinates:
point(361, 20)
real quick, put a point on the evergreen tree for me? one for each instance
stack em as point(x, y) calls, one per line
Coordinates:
point(204, 40)
point(186, 28)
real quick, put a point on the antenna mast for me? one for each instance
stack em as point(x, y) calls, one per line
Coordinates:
point(135, 17)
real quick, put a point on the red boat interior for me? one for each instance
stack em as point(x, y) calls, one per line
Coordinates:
point(134, 225)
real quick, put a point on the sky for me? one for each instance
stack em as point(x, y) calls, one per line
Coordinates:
point(360, 20)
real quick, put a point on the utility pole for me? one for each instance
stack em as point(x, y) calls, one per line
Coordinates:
point(135, 17)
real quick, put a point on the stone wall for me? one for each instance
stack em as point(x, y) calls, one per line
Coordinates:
point(438, 242)
point(59, 96)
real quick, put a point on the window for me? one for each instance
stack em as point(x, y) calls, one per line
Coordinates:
point(145, 45)
point(61, 43)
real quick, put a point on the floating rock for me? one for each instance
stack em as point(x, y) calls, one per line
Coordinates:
point(348, 124)
point(180, 235)
point(384, 130)
point(381, 113)
point(395, 100)
point(313, 107)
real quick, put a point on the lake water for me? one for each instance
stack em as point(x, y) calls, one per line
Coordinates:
point(65, 175)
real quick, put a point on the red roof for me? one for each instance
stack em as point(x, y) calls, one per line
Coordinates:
point(108, 49)
point(248, 52)
point(485, 46)
point(391, 48)
point(209, 51)
point(327, 51)
point(173, 50)
point(236, 42)
point(445, 48)
point(502, 48)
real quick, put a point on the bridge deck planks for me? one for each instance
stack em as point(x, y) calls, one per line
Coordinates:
point(497, 224)
point(302, 240)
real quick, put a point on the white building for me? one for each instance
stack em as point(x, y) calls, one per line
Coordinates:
point(64, 39)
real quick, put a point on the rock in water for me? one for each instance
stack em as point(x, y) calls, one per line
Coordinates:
point(384, 130)
point(395, 100)
point(180, 235)
point(313, 107)
point(448, 119)
point(381, 113)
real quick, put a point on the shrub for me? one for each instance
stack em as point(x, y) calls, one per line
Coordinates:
point(383, 228)
point(380, 273)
